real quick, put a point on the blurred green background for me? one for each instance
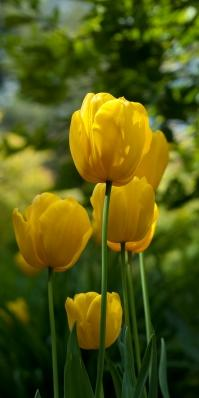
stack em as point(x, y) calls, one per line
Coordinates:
point(52, 54)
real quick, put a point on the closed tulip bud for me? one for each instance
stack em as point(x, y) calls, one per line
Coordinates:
point(132, 215)
point(52, 232)
point(84, 311)
point(155, 161)
point(108, 138)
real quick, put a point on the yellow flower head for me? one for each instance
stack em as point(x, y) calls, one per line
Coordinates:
point(155, 161)
point(132, 215)
point(52, 232)
point(84, 311)
point(108, 138)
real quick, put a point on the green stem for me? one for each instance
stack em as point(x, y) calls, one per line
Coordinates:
point(133, 311)
point(133, 315)
point(53, 333)
point(126, 304)
point(149, 327)
point(101, 354)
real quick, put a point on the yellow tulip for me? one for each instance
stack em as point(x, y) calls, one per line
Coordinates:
point(52, 232)
point(140, 245)
point(108, 138)
point(132, 215)
point(84, 311)
point(155, 161)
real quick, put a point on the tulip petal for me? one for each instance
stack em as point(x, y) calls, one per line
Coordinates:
point(24, 240)
point(140, 245)
point(126, 128)
point(65, 229)
point(116, 247)
point(39, 205)
point(83, 301)
point(73, 313)
point(91, 104)
point(155, 161)
point(113, 318)
point(33, 213)
point(147, 199)
point(131, 211)
point(80, 147)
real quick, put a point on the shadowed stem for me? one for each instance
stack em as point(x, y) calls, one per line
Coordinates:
point(53, 333)
point(101, 354)
point(126, 304)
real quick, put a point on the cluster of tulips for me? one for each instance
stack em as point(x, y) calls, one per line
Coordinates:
point(113, 146)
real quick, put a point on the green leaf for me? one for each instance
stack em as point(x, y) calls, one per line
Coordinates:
point(76, 380)
point(163, 371)
point(153, 374)
point(144, 371)
point(128, 384)
point(37, 394)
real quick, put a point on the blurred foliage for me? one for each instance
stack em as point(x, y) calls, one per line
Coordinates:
point(52, 53)
point(22, 176)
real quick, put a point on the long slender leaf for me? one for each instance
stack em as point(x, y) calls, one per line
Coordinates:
point(76, 380)
point(144, 371)
point(163, 371)
point(37, 394)
point(128, 384)
point(153, 376)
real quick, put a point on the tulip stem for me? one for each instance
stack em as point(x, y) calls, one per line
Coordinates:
point(133, 311)
point(101, 354)
point(124, 264)
point(53, 333)
point(147, 313)
point(133, 315)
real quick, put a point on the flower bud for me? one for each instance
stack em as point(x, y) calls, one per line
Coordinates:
point(84, 311)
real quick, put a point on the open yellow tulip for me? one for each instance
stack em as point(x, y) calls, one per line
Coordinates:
point(108, 138)
point(84, 311)
point(52, 232)
point(155, 161)
point(132, 217)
